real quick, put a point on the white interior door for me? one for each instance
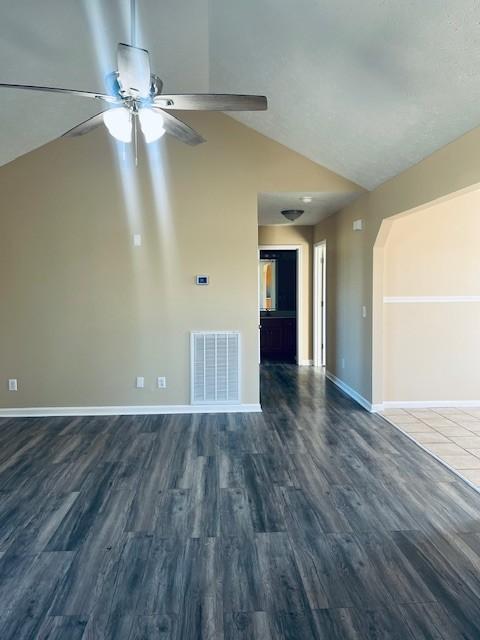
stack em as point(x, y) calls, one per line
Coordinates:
point(319, 304)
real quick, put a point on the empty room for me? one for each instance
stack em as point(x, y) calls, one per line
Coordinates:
point(239, 312)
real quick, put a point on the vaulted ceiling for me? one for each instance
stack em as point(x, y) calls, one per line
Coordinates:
point(364, 88)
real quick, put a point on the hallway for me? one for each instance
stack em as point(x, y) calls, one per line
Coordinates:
point(314, 519)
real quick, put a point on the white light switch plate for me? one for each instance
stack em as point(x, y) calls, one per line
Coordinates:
point(137, 240)
point(140, 382)
point(161, 382)
point(12, 384)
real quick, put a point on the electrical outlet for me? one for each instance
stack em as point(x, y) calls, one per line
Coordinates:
point(137, 240)
point(12, 384)
point(364, 311)
point(140, 383)
point(161, 382)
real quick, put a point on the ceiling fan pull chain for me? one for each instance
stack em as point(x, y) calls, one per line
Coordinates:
point(135, 133)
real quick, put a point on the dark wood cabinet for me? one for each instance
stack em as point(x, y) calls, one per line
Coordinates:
point(278, 338)
point(278, 326)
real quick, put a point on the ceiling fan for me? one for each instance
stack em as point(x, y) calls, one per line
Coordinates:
point(134, 97)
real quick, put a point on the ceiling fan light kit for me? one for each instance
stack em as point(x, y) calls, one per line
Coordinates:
point(134, 96)
point(151, 123)
point(119, 123)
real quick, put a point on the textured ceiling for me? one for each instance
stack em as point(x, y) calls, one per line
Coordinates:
point(270, 206)
point(364, 88)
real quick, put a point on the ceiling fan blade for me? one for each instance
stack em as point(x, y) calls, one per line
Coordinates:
point(133, 66)
point(179, 129)
point(86, 126)
point(73, 92)
point(211, 102)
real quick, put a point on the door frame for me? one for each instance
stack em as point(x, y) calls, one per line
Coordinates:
point(319, 303)
point(300, 296)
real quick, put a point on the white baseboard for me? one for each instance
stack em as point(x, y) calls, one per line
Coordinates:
point(305, 363)
point(349, 391)
point(425, 404)
point(129, 410)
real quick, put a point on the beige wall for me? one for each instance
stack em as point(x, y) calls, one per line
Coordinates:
point(301, 236)
point(83, 312)
point(346, 294)
point(435, 252)
point(350, 264)
point(431, 350)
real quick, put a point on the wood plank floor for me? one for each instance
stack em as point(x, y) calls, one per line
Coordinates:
point(311, 520)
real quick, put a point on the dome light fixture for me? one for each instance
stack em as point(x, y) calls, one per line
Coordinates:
point(292, 214)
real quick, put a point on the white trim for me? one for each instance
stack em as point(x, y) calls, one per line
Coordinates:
point(319, 311)
point(129, 410)
point(305, 363)
point(420, 299)
point(426, 404)
point(411, 436)
point(259, 357)
point(349, 391)
point(299, 248)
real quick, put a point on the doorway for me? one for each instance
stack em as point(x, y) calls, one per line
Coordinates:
point(319, 303)
point(278, 304)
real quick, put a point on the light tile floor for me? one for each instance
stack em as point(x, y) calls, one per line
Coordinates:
point(451, 434)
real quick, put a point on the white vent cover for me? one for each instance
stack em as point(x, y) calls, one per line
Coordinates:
point(215, 367)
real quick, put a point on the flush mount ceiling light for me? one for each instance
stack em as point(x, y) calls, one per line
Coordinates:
point(306, 199)
point(134, 95)
point(292, 214)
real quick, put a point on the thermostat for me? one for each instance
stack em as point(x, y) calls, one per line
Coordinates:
point(202, 280)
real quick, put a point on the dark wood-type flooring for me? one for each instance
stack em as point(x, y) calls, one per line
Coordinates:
point(311, 520)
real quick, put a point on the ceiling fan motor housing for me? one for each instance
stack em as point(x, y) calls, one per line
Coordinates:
point(133, 71)
point(113, 88)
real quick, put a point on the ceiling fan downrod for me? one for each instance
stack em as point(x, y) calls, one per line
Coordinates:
point(133, 22)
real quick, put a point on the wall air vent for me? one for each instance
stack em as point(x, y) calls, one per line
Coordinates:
point(215, 367)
